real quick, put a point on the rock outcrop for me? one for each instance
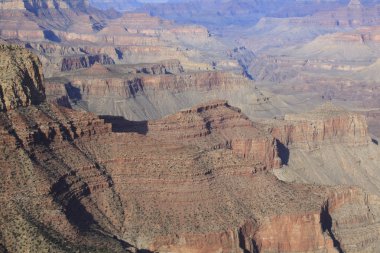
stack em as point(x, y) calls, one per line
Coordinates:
point(327, 124)
point(217, 125)
point(85, 61)
point(76, 36)
point(17, 67)
point(164, 187)
point(165, 67)
point(328, 146)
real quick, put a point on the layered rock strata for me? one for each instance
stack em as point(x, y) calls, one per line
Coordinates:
point(19, 67)
point(328, 146)
point(144, 96)
point(327, 124)
point(102, 187)
point(217, 125)
point(77, 36)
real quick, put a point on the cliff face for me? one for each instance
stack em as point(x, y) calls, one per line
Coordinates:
point(85, 61)
point(17, 67)
point(327, 124)
point(217, 125)
point(329, 228)
point(328, 146)
point(139, 96)
point(54, 28)
point(35, 176)
point(176, 184)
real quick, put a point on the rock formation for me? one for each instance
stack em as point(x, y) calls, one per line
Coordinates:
point(163, 186)
point(217, 125)
point(327, 124)
point(32, 170)
point(19, 67)
point(328, 146)
point(85, 61)
point(69, 35)
point(139, 96)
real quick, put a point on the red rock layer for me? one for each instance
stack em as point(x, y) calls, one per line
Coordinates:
point(325, 125)
point(217, 125)
point(170, 190)
point(20, 78)
point(131, 85)
point(181, 185)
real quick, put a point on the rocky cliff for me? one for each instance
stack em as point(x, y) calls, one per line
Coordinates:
point(327, 124)
point(163, 187)
point(328, 146)
point(217, 125)
point(85, 61)
point(138, 96)
point(69, 35)
point(34, 175)
point(19, 67)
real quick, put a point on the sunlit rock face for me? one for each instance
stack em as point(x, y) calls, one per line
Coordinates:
point(18, 66)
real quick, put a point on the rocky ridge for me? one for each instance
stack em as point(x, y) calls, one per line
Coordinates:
point(327, 124)
point(19, 67)
point(99, 190)
point(217, 125)
point(74, 37)
point(140, 96)
point(328, 146)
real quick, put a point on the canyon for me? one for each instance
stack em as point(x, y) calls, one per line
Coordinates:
point(189, 129)
point(70, 38)
point(206, 186)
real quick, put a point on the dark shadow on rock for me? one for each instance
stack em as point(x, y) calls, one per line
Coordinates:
point(74, 210)
point(121, 125)
point(375, 141)
point(50, 35)
point(73, 92)
point(242, 242)
point(123, 243)
point(119, 53)
point(326, 225)
point(37, 96)
point(283, 153)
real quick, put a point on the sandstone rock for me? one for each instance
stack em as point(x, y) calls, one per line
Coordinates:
point(217, 125)
point(165, 67)
point(171, 188)
point(21, 78)
point(327, 124)
point(84, 61)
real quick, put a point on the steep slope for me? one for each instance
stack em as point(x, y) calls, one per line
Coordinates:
point(28, 73)
point(104, 184)
point(171, 187)
point(329, 146)
point(139, 96)
point(35, 173)
point(70, 35)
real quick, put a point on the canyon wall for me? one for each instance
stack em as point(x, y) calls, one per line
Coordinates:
point(328, 146)
point(19, 67)
point(327, 124)
point(139, 96)
point(217, 125)
point(163, 186)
